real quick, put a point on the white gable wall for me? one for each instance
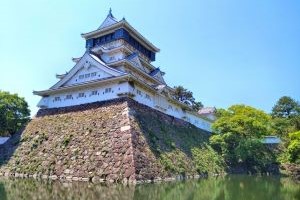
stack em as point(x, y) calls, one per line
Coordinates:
point(87, 74)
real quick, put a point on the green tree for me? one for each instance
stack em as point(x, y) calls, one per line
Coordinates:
point(243, 120)
point(237, 134)
point(286, 107)
point(184, 95)
point(14, 113)
point(294, 147)
point(254, 154)
point(286, 116)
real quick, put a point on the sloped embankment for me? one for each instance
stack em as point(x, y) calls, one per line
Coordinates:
point(119, 140)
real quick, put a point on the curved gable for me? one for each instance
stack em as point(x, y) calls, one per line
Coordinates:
point(87, 65)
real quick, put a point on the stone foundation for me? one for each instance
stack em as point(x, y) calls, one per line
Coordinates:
point(114, 141)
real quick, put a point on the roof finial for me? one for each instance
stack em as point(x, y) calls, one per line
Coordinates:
point(110, 12)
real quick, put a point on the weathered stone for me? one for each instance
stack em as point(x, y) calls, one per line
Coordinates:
point(98, 140)
point(53, 177)
point(129, 172)
point(85, 179)
point(125, 128)
point(44, 176)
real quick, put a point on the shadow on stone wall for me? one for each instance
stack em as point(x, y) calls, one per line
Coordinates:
point(163, 144)
point(9, 147)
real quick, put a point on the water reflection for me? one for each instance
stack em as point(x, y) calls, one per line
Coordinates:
point(230, 187)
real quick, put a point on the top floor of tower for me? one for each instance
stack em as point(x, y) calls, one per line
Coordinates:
point(112, 30)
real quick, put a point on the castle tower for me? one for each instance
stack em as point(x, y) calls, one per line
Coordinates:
point(117, 63)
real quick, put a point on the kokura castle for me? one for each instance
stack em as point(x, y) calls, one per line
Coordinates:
point(117, 63)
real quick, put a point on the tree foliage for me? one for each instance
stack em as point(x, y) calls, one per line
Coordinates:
point(286, 116)
point(14, 113)
point(286, 107)
point(294, 147)
point(184, 95)
point(238, 131)
point(242, 120)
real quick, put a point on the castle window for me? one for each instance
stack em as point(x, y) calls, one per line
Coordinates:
point(139, 92)
point(81, 94)
point(81, 76)
point(87, 75)
point(93, 74)
point(94, 92)
point(69, 96)
point(107, 90)
point(147, 96)
point(56, 98)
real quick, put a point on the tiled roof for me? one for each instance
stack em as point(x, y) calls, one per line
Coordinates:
point(154, 72)
point(207, 110)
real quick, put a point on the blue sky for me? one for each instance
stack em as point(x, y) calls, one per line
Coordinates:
point(226, 52)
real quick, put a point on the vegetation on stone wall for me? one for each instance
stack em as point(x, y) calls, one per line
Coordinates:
point(207, 160)
point(180, 148)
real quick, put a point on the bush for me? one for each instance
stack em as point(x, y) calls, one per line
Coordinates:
point(255, 155)
point(207, 160)
point(294, 147)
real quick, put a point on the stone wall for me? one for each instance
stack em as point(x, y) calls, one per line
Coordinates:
point(114, 141)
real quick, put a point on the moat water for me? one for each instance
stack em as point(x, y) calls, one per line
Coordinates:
point(222, 188)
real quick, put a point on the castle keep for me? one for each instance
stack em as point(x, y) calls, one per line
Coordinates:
point(117, 63)
point(111, 118)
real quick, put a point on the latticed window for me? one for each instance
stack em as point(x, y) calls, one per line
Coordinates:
point(94, 92)
point(81, 94)
point(139, 92)
point(56, 98)
point(81, 76)
point(107, 90)
point(93, 74)
point(69, 96)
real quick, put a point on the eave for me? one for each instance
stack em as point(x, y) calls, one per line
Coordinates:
point(132, 66)
point(119, 48)
point(84, 85)
point(121, 24)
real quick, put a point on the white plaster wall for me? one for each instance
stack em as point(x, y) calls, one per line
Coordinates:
point(199, 122)
point(88, 98)
point(112, 57)
point(170, 108)
point(113, 44)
